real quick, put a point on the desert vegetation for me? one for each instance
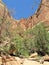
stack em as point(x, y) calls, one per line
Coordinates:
point(23, 43)
point(20, 42)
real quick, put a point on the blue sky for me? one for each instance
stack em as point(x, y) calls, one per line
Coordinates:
point(22, 8)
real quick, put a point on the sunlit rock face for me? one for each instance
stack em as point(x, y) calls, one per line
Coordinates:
point(0, 0)
point(6, 18)
point(1, 8)
point(44, 11)
point(4, 11)
point(46, 2)
point(42, 14)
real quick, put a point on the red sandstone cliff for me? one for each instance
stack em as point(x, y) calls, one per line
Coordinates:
point(42, 14)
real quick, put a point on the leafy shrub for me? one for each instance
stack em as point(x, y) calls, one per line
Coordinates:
point(41, 41)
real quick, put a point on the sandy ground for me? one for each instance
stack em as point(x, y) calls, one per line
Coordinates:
point(28, 62)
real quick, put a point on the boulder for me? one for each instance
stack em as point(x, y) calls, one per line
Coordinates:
point(33, 55)
point(46, 58)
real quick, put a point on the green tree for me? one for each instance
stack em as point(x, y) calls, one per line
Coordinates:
point(40, 38)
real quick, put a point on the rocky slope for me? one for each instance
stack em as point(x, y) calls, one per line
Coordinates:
point(6, 20)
